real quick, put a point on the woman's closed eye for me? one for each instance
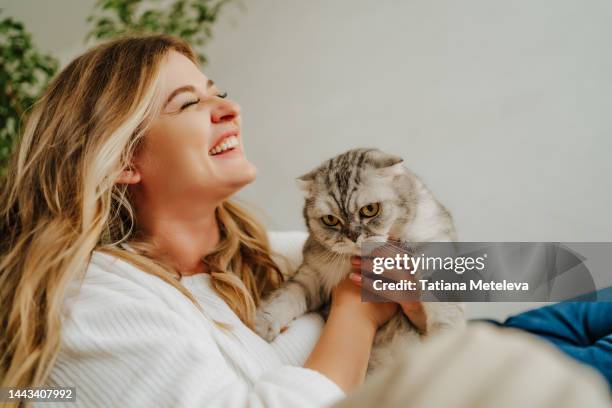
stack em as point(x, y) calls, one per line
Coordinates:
point(188, 104)
point(196, 101)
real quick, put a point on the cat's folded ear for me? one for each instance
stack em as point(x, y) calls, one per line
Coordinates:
point(305, 181)
point(387, 164)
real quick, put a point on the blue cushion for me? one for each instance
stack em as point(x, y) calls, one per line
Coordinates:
point(583, 330)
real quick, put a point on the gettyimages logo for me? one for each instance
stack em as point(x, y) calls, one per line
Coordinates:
point(485, 271)
point(414, 264)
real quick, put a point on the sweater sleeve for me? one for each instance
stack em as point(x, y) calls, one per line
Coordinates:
point(133, 351)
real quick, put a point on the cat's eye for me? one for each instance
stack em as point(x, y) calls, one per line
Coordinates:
point(222, 95)
point(330, 220)
point(370, 210)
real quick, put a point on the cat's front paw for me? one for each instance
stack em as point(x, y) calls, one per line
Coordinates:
point(266, 326)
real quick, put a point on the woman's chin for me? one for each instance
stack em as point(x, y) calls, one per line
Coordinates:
point(250, 173)
point(241, 175)
point(232, 171)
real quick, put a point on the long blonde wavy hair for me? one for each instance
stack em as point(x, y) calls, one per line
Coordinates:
point(59, 202)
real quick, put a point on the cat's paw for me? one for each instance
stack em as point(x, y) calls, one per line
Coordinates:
point(266, 327)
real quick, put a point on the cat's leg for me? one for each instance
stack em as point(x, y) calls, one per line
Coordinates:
point(295, 297)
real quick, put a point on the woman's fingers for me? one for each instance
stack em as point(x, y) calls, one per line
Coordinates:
point(412, 309)
point(355, 277)
point(415, 312)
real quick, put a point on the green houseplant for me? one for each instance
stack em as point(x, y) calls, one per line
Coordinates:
point(191, 20)
point(24, 73)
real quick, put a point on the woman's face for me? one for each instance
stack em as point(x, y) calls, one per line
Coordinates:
point(194, 147)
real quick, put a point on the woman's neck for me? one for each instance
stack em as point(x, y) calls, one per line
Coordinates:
point(183, 235)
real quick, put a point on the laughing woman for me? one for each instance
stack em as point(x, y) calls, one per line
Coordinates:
point(124, 267)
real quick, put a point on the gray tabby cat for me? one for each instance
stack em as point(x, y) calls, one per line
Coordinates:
point(363, 195)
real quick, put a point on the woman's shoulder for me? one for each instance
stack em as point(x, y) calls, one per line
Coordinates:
point(114, 274)
point(110, 280)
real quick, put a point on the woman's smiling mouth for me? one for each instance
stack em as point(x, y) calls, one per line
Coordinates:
point(225, 144)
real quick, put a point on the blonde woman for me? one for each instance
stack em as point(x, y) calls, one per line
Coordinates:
point(125, 271)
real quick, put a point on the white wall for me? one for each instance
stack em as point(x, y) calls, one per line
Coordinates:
point(502, 107)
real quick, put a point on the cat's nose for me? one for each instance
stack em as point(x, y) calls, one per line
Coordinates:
point(352, 235)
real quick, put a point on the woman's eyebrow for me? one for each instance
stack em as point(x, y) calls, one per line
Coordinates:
point(186, 88)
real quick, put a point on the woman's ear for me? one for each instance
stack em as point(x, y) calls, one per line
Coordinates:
point(131, 175)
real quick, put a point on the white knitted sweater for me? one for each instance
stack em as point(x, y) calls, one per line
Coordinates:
point(130, 339)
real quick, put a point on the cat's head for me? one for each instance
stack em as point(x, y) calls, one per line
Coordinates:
point(352, 199)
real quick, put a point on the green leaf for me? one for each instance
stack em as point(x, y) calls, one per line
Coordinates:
point(24, 73)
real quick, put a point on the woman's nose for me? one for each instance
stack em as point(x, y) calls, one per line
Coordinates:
point(225, 111)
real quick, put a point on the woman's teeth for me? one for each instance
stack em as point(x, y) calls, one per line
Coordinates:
point(227, 144)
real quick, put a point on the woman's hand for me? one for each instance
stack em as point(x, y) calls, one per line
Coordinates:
point(412, 309)
point(346, 297)
point(343, 350)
